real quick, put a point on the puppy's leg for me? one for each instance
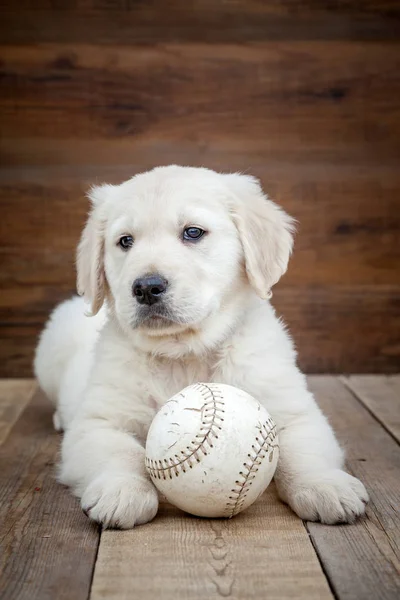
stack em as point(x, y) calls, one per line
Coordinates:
point(105, 468)
point(309, 476)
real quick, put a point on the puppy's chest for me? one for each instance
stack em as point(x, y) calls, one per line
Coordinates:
point(169, 377)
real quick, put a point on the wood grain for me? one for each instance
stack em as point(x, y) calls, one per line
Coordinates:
point(264, 552)
point(211, 20)
point(362, 561)
point(169, 93)
point(14, 396)
point(304, 95)
point(48, 547)
point(17, 346)
point(329, 326)
point(381, 395)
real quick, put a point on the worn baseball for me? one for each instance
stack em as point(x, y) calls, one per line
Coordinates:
point(212, 450)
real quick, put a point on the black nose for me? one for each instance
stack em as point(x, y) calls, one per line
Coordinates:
point(149, 289)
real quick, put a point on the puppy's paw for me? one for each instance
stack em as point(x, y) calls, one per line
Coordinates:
point(330, 497)
point(120, 501)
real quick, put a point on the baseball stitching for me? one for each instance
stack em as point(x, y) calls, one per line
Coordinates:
point(265, 444)
point(212, 417)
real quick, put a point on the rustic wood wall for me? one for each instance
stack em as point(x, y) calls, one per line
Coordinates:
point(304, 95)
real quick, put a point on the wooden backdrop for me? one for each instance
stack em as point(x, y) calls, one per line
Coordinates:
point(305, 95)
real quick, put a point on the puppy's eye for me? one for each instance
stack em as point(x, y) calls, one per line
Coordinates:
point(192, 234)
point(125, 242)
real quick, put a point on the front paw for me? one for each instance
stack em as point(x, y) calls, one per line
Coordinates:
point(330, 497)
point(120, 501)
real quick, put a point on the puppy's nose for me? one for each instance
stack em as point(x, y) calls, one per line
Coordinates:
point(149, 289)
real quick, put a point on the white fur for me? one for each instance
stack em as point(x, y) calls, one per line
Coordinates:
point(109, 373)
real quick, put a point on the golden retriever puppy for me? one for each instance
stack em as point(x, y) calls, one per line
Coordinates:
point(176, 267)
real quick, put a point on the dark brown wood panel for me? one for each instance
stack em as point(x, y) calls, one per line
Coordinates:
point(337, 329)
point(17, 346)
point(48, 547)
point(286, 100)
point(305, 95)
point(128, 22)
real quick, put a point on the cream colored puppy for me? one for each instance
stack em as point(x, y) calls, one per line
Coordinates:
point(177, 265)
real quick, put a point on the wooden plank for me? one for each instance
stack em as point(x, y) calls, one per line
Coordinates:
point(285, 97)
point(227, 152)
point(394, 383)
point(17, 346)
point(48, 547)
point(263, 553)
point(176, 20)
point(381, 396)
point(14, 396)
point(329, 327)
point(363, 560)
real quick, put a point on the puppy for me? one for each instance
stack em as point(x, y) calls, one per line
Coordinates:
point(176, 267)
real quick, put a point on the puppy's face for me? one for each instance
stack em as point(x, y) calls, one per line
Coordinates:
point(172, 253)
point(176, 245)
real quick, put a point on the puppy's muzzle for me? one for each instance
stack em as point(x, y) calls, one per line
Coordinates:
point(149, 289)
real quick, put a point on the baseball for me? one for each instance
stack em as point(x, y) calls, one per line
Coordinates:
point(211, 450)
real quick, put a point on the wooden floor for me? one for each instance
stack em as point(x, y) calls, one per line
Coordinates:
point(49, 549)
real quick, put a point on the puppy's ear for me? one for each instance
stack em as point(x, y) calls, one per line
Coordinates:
point(90, 253)
point(265, 230)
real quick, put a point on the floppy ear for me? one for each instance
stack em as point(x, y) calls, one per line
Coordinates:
point(265, 230)
point(90, 253)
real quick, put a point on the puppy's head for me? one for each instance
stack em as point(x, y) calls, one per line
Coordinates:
point(176, 245)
